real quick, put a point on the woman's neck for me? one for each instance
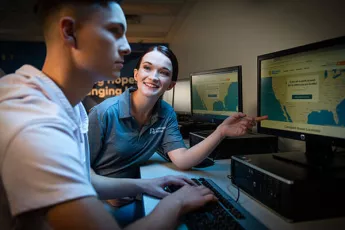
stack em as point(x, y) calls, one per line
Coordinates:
point(142, 107)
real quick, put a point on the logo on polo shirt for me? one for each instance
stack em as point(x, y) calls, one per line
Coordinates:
point(157, 130)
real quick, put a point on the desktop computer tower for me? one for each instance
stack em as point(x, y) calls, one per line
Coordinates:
point(187, 125)
point(247, 144)
point(296, 193)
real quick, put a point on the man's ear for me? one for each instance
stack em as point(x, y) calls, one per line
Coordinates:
point(68, 31)
point(172, 84)
point(135, 74)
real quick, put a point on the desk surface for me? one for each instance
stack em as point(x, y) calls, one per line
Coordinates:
point(157, 166)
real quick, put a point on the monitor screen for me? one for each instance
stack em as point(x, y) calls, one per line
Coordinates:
point(216, 94)
point(302, 90)
point(182, 97)
point(305, 92)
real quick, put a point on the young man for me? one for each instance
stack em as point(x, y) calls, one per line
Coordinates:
point(44, 158)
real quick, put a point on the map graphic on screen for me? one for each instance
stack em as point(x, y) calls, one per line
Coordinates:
point(215, 93)
point(305, 89)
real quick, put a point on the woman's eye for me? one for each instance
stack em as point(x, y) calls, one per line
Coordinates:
point(165, 73)
point(146, 67)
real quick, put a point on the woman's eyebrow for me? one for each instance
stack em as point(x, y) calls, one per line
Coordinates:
point(147, 62)
point(166, 69)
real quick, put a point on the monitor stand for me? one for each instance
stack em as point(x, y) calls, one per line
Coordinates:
point(318, 156)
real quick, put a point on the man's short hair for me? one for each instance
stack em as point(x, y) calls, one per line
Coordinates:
point(44, 8)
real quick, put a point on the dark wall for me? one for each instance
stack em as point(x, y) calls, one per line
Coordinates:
point(16, 54)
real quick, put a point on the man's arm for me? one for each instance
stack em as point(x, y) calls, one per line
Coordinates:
point(85, 213)
point(168, 211)
point(164, 216)
point(235, 125)
point(112, 188)
point(88, 213)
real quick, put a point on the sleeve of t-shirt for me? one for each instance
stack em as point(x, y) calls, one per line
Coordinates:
point(172, 138)
point(95, 134)
point(42, 167)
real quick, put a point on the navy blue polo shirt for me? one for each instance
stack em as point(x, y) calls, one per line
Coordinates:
point(118, 145)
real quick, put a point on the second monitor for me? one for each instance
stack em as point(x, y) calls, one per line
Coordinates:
point(182, 97)
point(216, 94)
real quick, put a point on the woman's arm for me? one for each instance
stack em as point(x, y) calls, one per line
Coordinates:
point(187, 158)
point(236, 125)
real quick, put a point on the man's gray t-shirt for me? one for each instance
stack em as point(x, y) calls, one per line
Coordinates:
point(118, 145)
point(44, 158)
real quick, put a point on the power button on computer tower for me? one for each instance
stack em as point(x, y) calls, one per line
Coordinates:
point(302, 137)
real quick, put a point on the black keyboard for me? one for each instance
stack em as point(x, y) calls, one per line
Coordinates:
point(224, 214)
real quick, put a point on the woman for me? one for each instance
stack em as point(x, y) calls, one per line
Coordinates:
point(126, 130)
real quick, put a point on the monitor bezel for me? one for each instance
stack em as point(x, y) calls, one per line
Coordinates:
point(208, 118)
point(180, 111)
point(173, 93)
point(291, 134)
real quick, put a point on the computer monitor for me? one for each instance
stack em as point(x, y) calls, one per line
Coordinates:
point(182, 97)
point(168, 96)
point(216, 94)
point(302, 90)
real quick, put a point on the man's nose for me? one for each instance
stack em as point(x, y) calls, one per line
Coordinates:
point(125, 48)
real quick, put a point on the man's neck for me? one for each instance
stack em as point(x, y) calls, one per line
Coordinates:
point(73, 83)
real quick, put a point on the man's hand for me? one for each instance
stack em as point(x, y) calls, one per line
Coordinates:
point(169, 210)
point(238, 124)
point(192, 197)
point(155, 187)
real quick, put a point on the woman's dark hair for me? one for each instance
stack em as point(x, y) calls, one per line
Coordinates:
point(169, 54)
